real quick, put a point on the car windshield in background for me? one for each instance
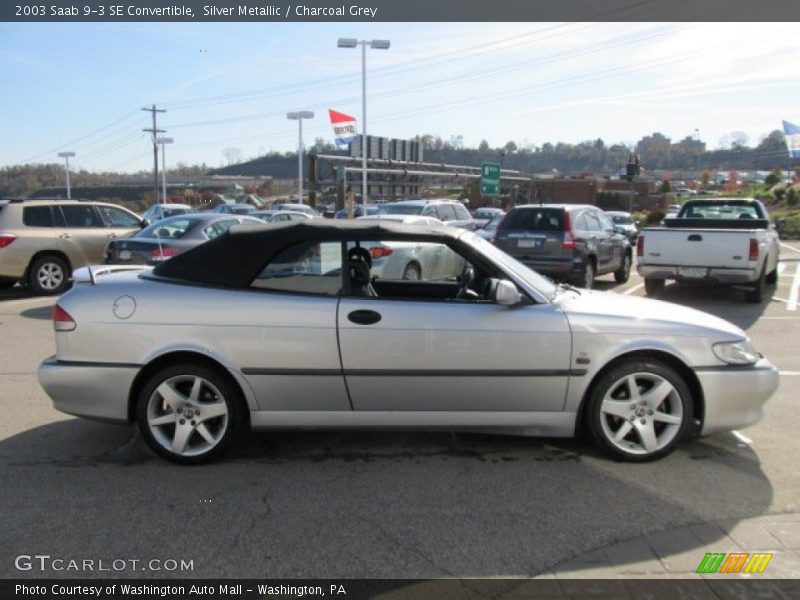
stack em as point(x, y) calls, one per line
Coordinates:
point(401, 209)
point(622, 220)
point(531, 219)
point(717, 210)
point(168, 228)
point(172, 212)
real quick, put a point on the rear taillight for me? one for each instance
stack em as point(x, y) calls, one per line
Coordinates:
point(162, 253)
point(380, 251)
point(753, 249)
point(640, 246)
point(6, 239)
point(569, 236)
point(62, 321)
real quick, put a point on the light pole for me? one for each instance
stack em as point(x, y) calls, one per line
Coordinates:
point(697, 146)
point(299, 116)
point(375, 45)
point(65, 156)
point(163, 141)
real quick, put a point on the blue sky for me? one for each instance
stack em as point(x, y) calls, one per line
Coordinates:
point(81, 86)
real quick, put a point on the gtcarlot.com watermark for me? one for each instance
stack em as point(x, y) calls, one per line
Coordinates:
point(48, 563)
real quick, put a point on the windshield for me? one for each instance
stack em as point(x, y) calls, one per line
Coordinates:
point(173, 227)
point(402, 209)
point(541, 283)
point(622, 220)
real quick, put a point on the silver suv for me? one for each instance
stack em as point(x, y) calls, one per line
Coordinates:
point(43, 241)
point(450, 212)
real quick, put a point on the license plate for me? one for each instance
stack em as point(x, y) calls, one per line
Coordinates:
point(692, 272)
point(529, 243)
point(124, 254)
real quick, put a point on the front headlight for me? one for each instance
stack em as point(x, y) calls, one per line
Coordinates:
point(736, 353)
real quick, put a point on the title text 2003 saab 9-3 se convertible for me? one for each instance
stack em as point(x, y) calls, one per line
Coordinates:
point(284, 327)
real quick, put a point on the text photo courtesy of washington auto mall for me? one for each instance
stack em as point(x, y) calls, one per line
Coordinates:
point(399, 300)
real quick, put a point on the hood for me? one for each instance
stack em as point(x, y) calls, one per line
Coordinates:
point(609, 312)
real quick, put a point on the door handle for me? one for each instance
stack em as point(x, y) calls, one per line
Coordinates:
point(65, 236)
point(695, 237)
point(364, 317)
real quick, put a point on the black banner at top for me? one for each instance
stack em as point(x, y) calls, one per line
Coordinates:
point(398, 10)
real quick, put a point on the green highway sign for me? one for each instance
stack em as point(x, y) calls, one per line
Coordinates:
point(490, 179)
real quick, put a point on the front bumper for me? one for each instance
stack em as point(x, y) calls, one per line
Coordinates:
point(735, 396)
point(92, 390)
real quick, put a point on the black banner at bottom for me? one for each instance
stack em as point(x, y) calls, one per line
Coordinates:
point(399, 589)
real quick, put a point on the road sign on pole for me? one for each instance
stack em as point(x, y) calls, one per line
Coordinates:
point(490, 179)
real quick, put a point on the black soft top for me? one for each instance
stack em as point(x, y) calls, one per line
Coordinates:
point(235, 258)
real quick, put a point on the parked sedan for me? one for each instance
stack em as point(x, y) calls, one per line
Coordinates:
point(623, 223)
point(281, 327)
point(234, 209)
point(168, 237)
point(280, 216)
point(296, 207)
point(162, 211)
point(414, 261)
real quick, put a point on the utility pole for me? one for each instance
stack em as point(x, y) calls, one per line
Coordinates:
point(155, 131)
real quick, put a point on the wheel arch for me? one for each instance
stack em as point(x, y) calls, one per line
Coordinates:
point(49, 252)
point(191, 356)
point(689, 376)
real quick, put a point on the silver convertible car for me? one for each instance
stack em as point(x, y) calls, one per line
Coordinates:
point(271, 327)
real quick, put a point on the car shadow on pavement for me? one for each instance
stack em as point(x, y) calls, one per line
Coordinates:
point(724, 302)
point(44, 313)
point(375, 504)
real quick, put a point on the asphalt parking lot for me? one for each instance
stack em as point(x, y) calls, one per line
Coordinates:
point(400, 505)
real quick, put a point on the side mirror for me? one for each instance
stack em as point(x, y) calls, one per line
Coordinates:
point(780, 224)
point(506, 293)
point(144, 223)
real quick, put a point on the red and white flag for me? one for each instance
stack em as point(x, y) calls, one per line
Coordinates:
point(344, 127)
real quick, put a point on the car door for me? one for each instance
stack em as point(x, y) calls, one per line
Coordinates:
point(300, 292)
point(119, 222)
point(82, 235)
point(610, 243)
point(418, 354)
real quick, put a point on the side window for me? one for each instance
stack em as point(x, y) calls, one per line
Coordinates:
point(605, 222)
point(37, 216)
point(446, 212)
point(461, 212)
point(580, 223)
point(81, 215)
point(213, 230)
point(414, 261)
point(307, 268)
point(592, 224)
point(115, 217)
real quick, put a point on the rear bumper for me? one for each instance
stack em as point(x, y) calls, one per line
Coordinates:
point(91, 390)
point(735, 396)
point(711, 274)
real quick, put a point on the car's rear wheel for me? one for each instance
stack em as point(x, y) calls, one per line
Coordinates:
point(189, 414)
point(48, 275)
point(412, 272)
point(587, 280)
point(653, 287)
point(640, 410)
point(622, 274)
point(755, 295)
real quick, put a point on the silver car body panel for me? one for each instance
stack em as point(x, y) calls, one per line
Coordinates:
point(424, 364)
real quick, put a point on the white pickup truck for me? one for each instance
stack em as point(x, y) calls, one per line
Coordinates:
point(721, 241)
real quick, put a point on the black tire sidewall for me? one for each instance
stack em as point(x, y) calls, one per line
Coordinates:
point(586, 283)
point(33, 279)
point(622, 274)
point(613, 375)
point(412, 267)
point(230, 393)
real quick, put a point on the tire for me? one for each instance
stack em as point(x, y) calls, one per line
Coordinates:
point(772, 277)
point(644, 424)
point(622, 274)
point(587, 279)
point(653, 287)
point(757, 293)
point(167, 414)
point(412, 272)
point(48, 275)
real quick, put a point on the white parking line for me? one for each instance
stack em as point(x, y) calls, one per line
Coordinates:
point(790, 247)
point(781, 267)
point(742, 438)
point(792, 303)
point(789, 373)
point(633, 289)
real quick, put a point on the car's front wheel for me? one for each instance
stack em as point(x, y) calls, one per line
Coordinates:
point(639, 410)
point(48, 275)
point(622, 274)
point(189, 413)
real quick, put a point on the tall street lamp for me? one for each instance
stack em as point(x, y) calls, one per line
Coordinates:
point(375, 45)
point(65, 156)
point(163, 141)
point(299, 116)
